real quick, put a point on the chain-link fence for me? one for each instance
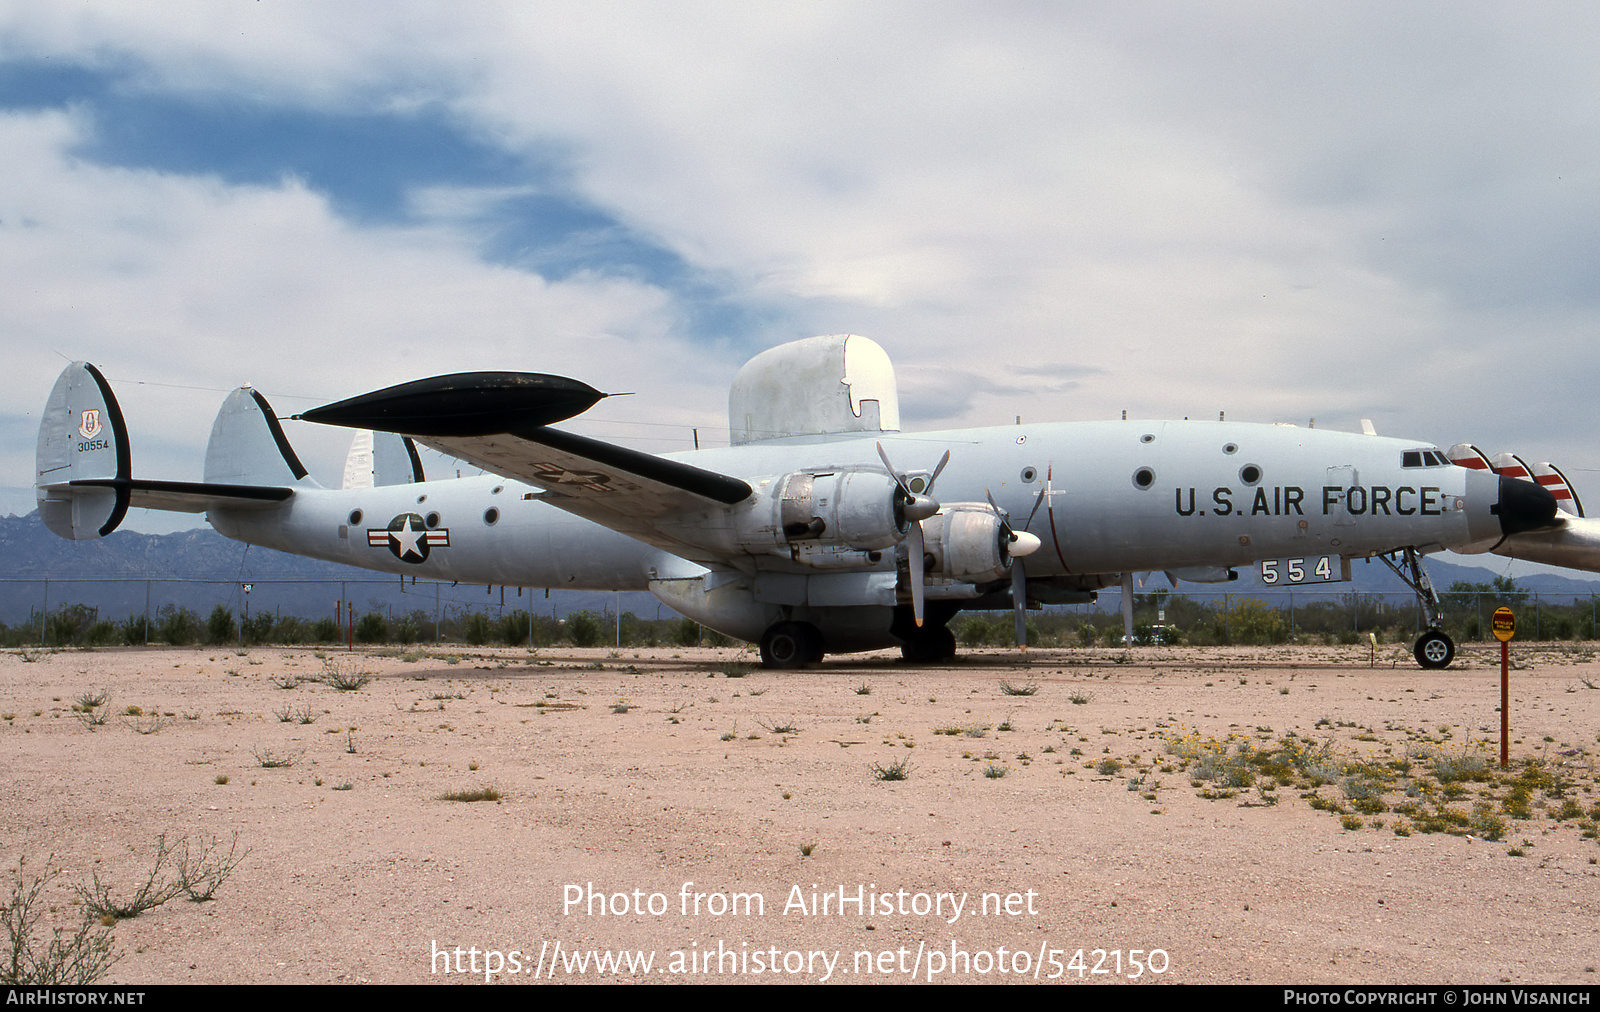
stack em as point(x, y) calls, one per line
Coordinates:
point(137, 612)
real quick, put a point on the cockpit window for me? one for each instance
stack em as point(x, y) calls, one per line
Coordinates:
point(1423, 458)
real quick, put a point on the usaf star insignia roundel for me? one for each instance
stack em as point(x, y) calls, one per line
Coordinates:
point(407, 537)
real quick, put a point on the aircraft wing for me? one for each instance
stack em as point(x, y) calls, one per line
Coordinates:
point(612, 485)
point(500, 422)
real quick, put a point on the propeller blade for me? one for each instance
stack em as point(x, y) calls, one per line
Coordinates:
point(1037, 502)
point(1127, 609)
point(915, 557)
point(936, 471)
point(1019, 598)
point(892, 472)
point(1005, 518)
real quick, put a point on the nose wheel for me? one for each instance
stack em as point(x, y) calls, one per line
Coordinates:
point(1434, 649)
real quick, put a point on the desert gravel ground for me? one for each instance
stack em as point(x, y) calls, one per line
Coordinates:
point(650, 778)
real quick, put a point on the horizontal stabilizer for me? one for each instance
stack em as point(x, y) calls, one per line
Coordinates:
point(187, 496)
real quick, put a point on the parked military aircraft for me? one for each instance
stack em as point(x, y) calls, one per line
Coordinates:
point(821, 528)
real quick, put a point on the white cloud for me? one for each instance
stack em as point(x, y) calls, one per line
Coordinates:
point(1343, 211)
point(189, 282)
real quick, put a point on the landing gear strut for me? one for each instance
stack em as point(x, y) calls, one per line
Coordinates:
point(790, 645)
point(1434, 649)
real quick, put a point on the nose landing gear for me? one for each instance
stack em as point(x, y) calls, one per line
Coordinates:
point(1434, 648)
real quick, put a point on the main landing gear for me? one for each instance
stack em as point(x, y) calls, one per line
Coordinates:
point(1433, 649)
point(790, 645)
point(930, 643)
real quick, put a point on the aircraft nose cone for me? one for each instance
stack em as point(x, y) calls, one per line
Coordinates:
point(1524, 506)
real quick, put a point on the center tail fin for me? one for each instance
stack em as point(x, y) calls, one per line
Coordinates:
point(381, 458)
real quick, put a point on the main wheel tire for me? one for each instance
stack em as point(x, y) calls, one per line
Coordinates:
point(931, 645)
point(813, 642)
point(1434, 649)
point(790, 645)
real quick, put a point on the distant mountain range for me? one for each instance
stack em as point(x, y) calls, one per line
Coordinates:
point(198, 569)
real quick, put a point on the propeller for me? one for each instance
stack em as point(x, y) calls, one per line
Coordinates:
point(914, 509)
point(1020, 544)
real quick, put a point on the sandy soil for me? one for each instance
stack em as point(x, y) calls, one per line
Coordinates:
point(697, 803)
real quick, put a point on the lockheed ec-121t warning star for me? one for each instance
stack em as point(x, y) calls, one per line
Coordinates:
point(821, 528)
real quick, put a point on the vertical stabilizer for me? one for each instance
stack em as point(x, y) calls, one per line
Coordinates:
point(82, 436)
point(395, 460)
point(381, 458)
point(358, 462)
point(248, 446)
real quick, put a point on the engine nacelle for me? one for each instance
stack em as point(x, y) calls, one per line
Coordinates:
point(825, 515)
point(967, 542)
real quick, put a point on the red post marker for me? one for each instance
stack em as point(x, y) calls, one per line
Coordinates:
point(1505, 627)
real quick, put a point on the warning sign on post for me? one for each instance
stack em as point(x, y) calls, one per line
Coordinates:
point(1505, 624)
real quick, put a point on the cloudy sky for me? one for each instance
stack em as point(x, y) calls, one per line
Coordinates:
point(1282, 211)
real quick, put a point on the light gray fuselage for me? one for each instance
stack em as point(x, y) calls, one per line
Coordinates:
point(1119, 497)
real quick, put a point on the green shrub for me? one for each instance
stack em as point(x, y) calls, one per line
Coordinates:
point(220, 627)
point(584, 629)
point(372, 627)
point(475, 628)
point(258, 629)
point(406, 631)
point(136, 631)
point(177, 626)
